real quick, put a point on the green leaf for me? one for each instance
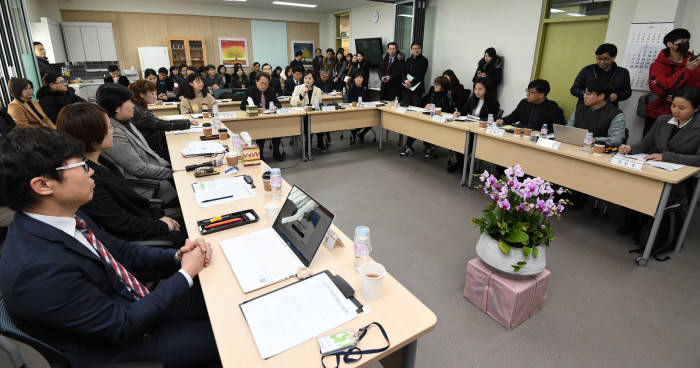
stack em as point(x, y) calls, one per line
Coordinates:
point(526, 251)
point(522, 263)
point(515, 268)
point(518, 237)
point(504, 247)
point(534, 252)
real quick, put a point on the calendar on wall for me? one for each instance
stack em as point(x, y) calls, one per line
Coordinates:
point(644, 43)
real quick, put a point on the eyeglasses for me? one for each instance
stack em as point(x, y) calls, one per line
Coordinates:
point(77, 164)
point(602, 58)
point(532, 92)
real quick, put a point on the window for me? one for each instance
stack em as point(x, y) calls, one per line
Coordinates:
point(342, 31)
point(404, 25)
point(571, 8)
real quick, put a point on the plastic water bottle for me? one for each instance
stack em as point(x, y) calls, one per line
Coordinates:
point(359, 100)
point(271, 106)
point(543, 131)
point(588, 142)
point(344, 91)
point(236, 144)
point(432, 110)
point(217, 123)
point(396, 102)
point(490, 120)
point(215, 110)
point(362, 246)
point(276, 184)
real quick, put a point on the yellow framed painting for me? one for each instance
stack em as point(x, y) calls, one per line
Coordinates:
point(233, 51)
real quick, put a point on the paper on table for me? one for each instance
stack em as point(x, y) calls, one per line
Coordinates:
point(228, 189)
point(187, 131)
point(664, 165)
point(198, 148)
point(175, 117)
point(196, 116)
point(289, 316)
point(227, 115)
point(416, 109)
point(638, 156)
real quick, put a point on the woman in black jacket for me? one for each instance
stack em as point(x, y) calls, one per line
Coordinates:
point(114, 205)
point(227, 77)
point(491, 68)
point(439, 97)
point(481, 103)
point(151, 127)
point(55, 94)
point(239, 79)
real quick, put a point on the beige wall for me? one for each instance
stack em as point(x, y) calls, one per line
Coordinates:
point(133, 30)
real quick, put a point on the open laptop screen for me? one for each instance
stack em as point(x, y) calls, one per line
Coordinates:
point(302, 223)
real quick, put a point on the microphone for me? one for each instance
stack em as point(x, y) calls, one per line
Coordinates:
point(214, 163)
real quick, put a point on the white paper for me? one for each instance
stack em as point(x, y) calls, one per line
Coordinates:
point(170, 103)
point(401, 110)
point(289, 316)
point(328, 108)
point(664, 165)
point(417, 109)
point(439, 119)
point(495, 131)
point(175, 117)
point(346, 79)
point(227, 115)
point(201, 148)
point(409, 77)
point(196, 116)
point(197, 130)
point(232, 188)
point(416, 86)
point(638, 156)
point(283, 111)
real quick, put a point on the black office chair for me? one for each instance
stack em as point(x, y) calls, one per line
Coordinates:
point(499, 114)
point(55, 358)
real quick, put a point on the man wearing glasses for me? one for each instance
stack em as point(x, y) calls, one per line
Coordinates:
point(55, 94)
point(605, 68)
point(73, 286)
point(535, 109)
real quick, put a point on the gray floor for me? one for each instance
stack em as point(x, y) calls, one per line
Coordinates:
point(602, 310)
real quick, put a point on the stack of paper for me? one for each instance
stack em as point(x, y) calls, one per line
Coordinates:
point(197, 130)
point(175, 117)
point(210, 193)
point(417, 109)
point(202, 148)
point(658, 164)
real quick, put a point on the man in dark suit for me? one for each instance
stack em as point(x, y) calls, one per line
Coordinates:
point(390, 73)
point(296, 62)
point(262, 95)
point(295, 80)
point(71, 285)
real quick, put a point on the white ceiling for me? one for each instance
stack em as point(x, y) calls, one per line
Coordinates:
point(324, 6)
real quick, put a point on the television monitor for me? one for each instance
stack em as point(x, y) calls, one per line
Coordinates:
point(372, 48)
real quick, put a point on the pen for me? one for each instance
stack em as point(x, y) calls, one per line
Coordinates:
point(219, 218)
point(223, 223)
point(216, 199)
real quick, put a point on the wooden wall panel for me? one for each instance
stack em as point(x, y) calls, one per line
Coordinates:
point(133, 30)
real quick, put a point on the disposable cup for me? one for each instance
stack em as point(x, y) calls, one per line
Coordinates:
point(372, 275)
point(598, 148)
point(271, 210)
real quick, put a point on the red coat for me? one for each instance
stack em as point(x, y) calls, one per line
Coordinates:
point(665, 77)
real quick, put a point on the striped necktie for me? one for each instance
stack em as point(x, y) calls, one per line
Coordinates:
point(132, 284)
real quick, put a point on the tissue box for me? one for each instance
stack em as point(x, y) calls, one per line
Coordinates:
point(509, 301)
point(251, 155)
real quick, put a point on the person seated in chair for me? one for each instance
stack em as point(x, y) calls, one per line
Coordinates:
point(262, 96)
point(438, 97)
point(291, 83)
point(308, 94)
point(71, 285)
point(605, 120)
point(535, 110)
point(55, 94)
point(356, 92)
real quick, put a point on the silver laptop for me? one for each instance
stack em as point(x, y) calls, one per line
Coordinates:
point(569, 134)
point(274, 254)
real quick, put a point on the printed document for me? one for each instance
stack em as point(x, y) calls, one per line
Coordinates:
point(211, 193)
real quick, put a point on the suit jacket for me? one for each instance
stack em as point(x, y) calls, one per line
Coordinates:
point(298, 101)
point(61, 293)
point(254, 93)
point(683, 148)
point(289, 86)
point(391, 89)
point(119, 209)
point(136, 159)
point(25, 117)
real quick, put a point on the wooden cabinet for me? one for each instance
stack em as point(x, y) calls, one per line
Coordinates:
point(86, 41)
point(190, 51)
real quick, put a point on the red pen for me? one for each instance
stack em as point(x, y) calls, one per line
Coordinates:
point(223, 223)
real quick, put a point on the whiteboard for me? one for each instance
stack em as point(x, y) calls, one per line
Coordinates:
point(269, 43)
point(154, 58)
point(644, 43)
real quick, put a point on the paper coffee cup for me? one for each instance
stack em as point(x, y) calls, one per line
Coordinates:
point(231, 159)
point(354, 104)
point(438, 110)
point(207, 131)
point(527, 131)
point(598, 148)
point(372, 276)
point(266, 184)
point(271, 210)
point(517, 131)
point(482, 124)
point(205, 114)
point(309, 108)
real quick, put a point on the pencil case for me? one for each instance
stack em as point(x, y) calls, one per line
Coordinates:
point(247, 217)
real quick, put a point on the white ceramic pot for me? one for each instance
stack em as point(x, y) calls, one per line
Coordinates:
point(487, 249)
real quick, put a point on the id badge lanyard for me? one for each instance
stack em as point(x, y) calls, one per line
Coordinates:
point(354, 354)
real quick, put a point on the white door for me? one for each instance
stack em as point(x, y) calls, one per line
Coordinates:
point(74, 44)
point(90, 42)
point(59, 52)
point(108, 49)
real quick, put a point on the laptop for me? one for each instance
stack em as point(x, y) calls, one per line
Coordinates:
point(274, 254)
point(569, 134)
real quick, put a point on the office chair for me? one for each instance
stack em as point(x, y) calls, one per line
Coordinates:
point(55, 358)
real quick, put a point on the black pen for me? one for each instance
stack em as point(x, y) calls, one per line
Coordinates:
point(216, 199)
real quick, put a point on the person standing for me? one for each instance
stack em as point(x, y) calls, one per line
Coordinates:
point(329, 60)
point(42, 60)
point(413, 74)
point(605, 68)
point(317, 62)
point(275, 83)
point(672, 70)
point(256, 69)
point(390, 73)
point(490, 67)
point(296, 62)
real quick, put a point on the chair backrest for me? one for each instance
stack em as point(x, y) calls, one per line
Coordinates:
point(499, 114)
point(221, 91)
point(8, 328)
point(6, 121)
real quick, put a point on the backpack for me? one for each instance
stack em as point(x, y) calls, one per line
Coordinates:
point(642, 103)
point(666, 237)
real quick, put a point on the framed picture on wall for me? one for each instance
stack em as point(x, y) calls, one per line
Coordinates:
point(233, 50)
point(307, 50)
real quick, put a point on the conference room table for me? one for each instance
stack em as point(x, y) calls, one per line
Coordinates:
point(404, 317)
point(345, 119)
point(225, 105)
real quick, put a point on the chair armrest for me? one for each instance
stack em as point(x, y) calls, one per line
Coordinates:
point(154, 243)
point(156, 203)
point(144, 182)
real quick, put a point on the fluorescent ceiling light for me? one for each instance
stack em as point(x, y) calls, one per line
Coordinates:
point(294, 4)
point(406, 15)
point(575, 15)
point(237, 0)
point(555, 10)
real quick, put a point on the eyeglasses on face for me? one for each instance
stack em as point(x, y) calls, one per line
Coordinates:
point(77, 164)
point(532, 91)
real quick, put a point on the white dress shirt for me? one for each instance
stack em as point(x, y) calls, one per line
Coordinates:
point(477, 109)
point(67, 225)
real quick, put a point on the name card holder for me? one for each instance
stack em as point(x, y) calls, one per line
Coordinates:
point(401, 110)
point(328, 108)
point(548, 143)
point(439, 119)
point(628, 163)
point(498, 132)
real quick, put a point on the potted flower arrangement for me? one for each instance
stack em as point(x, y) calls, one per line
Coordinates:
point(515, 228)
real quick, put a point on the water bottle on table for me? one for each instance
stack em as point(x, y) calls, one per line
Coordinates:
point(588, 142)
point(489, 122)
point(396, 102)
point(543, 131)
point(362, 246)
point(215, 110)
point(276, 184)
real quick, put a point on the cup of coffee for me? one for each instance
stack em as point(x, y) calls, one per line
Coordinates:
point(598, 148)
point(482, 124)
point(159, 102)
point(205, 114)
point(271, 210)
point(223, 134)
point(372, 274)
point(266, 181)
point(517, 131)
point(354, 104)
point(309, 108)
point(260, 110)
point(527, 132)
point(438, 110)
point(206, 129)
point(231, 159)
